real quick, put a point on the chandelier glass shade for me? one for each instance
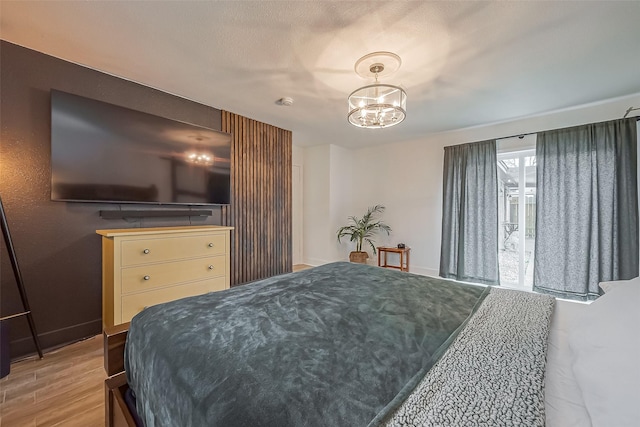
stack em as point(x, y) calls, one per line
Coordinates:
point(377, 106)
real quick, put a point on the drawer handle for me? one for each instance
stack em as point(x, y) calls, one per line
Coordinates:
point(147, 277)
point(146, 251)
point(211, 267)
point(210, 245)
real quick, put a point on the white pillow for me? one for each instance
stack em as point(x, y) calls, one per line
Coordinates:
point(608, 286)
point(605, 346)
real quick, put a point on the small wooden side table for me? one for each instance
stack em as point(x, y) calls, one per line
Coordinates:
point(404, 258)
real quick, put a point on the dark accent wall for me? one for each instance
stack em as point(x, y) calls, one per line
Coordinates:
point(56, 245)
point(260, 207)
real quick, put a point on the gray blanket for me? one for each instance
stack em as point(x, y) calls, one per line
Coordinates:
point(493, 373)
point(337, 345)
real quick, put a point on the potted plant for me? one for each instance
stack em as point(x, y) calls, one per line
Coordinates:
point(362, 230)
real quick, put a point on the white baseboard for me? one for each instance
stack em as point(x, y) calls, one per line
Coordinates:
point(314, 262)
point(423, 271)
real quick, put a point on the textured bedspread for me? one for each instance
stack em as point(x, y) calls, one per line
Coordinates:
point(337, 345)
point(493, 373)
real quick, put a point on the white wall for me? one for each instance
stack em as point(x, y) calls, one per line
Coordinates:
point(341, 194)
point(327, 200)
point(406, 177)
point(316, 180)
point(407, 180)
point(297, 204)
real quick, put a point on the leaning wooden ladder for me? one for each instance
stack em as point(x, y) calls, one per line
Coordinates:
point(19, 282)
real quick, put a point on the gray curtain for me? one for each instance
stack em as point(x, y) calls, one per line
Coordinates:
point(587, 208)
point(469, 249)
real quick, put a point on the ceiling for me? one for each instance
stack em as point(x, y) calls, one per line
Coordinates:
point(463, 63)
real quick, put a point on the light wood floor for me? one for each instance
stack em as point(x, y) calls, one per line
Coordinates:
point(66, 388)
point(300, 267)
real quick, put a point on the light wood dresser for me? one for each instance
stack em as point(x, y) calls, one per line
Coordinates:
point(142, 267)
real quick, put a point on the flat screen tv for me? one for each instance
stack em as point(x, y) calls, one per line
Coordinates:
point(101, 152)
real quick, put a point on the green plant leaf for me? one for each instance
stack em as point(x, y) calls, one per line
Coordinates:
point(364, 229)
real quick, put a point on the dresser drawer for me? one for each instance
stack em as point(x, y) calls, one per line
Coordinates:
point(145, 277)
point(142, 251)
point(135, 303)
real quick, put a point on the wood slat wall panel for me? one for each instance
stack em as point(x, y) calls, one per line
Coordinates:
point(260, 208)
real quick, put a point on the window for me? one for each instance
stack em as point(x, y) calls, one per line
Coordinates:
point(516, 212)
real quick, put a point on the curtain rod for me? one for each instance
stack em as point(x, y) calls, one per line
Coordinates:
point(522, 135)
point(630, 109)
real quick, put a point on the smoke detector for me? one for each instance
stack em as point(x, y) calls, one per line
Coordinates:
point(286, 101)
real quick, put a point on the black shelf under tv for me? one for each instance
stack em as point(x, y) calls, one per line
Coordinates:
point(149, 213)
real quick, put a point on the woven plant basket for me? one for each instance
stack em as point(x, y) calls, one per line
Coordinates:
point(358, 257)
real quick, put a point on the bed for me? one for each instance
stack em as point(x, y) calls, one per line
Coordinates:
point(345, 344)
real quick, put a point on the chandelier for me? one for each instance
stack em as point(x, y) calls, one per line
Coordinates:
point(204, 159)
point(377, 105)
